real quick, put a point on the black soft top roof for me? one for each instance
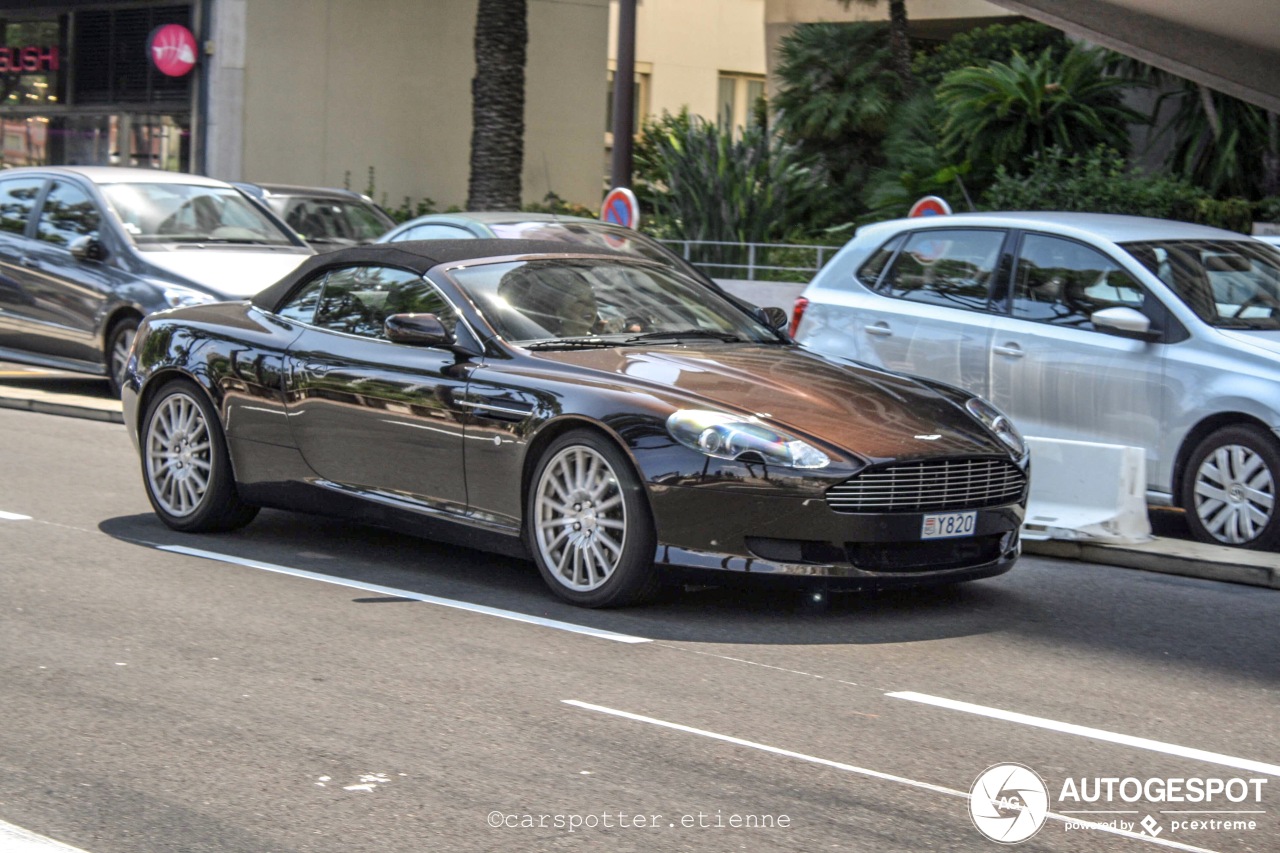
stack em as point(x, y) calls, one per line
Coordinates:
point(416, 256)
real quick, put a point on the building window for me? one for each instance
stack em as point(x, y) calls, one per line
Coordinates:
point(640, 105)
point(737, 99)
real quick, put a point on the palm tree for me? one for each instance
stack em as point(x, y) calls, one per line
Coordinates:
point(1005, 113)
point(899, 39)
point(497, 105)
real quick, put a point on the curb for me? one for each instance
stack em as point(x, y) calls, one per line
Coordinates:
point(65, 409)
point(1171, 557)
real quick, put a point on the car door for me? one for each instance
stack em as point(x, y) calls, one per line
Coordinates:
point(1053, 372)
point(368, 414)
point(937, 296)
point(20, 318)
point(70, 295)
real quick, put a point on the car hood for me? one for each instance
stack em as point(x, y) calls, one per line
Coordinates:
point(1263, 340)
point(234, 273)
point(873, 413)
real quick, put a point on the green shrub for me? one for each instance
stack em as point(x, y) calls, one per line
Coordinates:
point(1234, 214)
point(707, 183)
point(1099, 181)
point(984, 45)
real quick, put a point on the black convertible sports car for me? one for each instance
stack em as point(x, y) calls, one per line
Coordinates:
point(603, 414)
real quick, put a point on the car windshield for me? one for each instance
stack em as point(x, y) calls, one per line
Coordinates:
point(595, 235)
point(182, 213)
point(552, 304)
point(330, 220)
point(1231, 284)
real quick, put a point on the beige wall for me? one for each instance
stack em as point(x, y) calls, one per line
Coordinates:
point(332, 86)
point(685, 44)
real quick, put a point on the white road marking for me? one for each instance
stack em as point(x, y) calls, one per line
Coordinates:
point(404, 593)
point(874, 774)
point(15, 839)
point(1096, 734)
point(13, 516)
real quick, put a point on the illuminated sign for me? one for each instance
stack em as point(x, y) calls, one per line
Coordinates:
point(173, 49)
point(28, 60)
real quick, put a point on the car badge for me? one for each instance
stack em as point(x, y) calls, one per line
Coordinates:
point(934, 437)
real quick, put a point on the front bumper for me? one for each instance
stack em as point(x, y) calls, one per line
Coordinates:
point(796, 537)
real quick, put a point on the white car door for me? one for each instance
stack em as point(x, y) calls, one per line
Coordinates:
point(1057, 376)
point(931, 311)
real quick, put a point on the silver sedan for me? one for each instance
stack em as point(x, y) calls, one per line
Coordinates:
point(1124, 330)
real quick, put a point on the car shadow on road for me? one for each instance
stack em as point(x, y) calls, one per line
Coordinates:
point(732, 613)
point(1074, 607)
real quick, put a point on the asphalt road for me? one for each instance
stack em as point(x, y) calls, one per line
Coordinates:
point(345, 689)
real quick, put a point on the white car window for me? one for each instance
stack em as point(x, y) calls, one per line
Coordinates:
point(946, 267)
point(1063, 282)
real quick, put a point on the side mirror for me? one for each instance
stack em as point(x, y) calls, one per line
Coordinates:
point(1124, 322)
point(88, 249)
point(774, 317)
point(419, 330)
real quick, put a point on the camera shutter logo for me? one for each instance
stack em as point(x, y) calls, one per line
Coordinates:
point(1008, 803)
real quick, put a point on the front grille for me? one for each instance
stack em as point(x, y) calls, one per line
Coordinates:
point(928, 486)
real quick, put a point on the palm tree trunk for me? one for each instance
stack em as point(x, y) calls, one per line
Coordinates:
point(900, 44)
point(497, 105)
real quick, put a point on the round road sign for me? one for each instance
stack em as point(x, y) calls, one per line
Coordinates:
point(620, 208)
point(930, 205)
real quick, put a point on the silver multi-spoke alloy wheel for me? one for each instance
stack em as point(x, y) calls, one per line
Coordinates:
point(179, 455)
point(120, 353)
point(1235, 494)
point(580, 518)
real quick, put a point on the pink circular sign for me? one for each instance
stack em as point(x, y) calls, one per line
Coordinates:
point(173, 49)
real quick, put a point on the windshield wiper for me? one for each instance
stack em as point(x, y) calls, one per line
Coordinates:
point(726, 337)
point(569, 343)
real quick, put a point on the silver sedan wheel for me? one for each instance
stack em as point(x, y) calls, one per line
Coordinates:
point(179, 455)
point(580, 518)
point(120, 354)
point(1235, 494)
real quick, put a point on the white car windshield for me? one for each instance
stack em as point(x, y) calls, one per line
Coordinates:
point(182, 213)
point(1232, 284)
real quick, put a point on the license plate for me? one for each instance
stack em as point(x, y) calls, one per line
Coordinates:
point(948, 525)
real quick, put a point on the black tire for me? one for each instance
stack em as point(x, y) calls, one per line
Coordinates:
point(596, 548)
point(1229, 489)
point(115, 357)
point(185, 466)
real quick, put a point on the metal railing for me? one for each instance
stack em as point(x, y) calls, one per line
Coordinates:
point(791, 262)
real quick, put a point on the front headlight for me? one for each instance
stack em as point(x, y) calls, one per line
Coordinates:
point(996, 421)
point(176, 296)
point(742, 438)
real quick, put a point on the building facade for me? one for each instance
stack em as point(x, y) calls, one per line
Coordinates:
point(313, 92)
point(707, 56)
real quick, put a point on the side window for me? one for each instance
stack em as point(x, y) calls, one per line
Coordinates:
point(1063, 282)
point(67, 215)
point(869, 274)
point(435, 232)
point(358, 300)
point(17, 197)
point(941, 267)
point(302, 307)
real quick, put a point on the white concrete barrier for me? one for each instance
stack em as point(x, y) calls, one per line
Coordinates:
point(1087, 491)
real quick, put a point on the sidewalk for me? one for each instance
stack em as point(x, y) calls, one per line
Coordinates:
point(57, 393)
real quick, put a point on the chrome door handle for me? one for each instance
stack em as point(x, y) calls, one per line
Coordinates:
point(880, 330)
point(1011, 350)
point(29, 263)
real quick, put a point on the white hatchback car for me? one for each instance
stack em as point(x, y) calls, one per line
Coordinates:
point(1117, 329)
